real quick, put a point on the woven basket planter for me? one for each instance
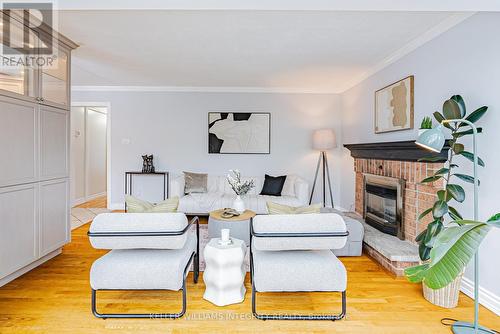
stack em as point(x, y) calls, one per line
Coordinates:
point(445, 297)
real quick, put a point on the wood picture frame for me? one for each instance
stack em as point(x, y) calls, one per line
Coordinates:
point(394, 106)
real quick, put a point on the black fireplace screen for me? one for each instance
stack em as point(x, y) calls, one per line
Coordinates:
point(381, 208)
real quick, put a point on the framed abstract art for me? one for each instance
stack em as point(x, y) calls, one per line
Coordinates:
point(394, 106)
point(239, 133)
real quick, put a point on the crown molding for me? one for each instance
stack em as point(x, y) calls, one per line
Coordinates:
point(201, 89)
point(427, 36)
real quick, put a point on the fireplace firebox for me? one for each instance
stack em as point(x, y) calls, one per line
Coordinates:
point(383, 203)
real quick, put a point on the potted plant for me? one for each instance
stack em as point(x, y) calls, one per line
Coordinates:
point(239, 187)
point(446, 248)
point(426, 124)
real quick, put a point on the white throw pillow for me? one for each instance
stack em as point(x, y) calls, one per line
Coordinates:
point(289, 186)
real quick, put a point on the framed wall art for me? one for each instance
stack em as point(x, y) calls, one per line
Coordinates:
point(239, 133)
point(394, 106)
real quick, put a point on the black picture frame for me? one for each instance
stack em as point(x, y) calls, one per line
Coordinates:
point(214, 143)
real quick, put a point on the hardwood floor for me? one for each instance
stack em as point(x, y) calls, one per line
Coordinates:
point(99, 202)
point(55, 298)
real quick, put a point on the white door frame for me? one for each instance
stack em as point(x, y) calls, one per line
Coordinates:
point(106, 105)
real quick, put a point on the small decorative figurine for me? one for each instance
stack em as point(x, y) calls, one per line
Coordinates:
point(147, 164)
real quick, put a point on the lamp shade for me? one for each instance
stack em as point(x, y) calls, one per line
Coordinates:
point(324, 139)
point(432, 139)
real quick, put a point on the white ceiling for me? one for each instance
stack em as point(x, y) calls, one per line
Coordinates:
point(310, 51)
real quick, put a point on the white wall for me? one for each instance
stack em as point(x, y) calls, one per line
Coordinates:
point(173, 126)
point(465, 60)
point(77, 137)
point(96, 151)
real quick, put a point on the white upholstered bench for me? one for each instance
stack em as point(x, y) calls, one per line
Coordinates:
point(294, 253)
point(149, 251)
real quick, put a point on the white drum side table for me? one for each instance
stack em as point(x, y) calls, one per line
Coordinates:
point(224, 274)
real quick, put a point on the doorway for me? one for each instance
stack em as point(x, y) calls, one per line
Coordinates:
point(89, 153)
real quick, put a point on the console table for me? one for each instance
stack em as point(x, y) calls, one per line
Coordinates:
point(129, 177)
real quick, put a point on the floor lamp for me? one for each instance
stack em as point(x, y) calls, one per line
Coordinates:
point(323, 140)
point(434, 140)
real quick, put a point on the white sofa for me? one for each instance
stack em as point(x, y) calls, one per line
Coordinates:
point(219, 195)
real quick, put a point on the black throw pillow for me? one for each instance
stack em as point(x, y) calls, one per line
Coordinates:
point(273, 185)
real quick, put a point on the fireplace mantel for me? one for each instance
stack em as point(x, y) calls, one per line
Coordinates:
point(397, 150)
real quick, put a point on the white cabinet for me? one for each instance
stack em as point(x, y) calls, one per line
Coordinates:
point(54, 147)
point(54, 215)
point(18, 227)
point(34, 151)
point(54, 81)
point(18, 141)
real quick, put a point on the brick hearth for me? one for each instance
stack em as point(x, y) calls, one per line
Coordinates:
point(417, 197)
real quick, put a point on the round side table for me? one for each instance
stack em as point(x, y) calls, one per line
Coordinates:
point(224, 274)
point(239, 226)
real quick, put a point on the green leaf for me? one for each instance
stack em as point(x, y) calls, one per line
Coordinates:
point(424, 213)
point(467, 132)
point(451, 110)
point(453, 250)
point(424, 252)
point(440, 118)
point(466, 178)
point(454, 214)
point(453, 165)
point(416, 274)
point(421, 235)
point(431, 178)
point(431, 159)
point(456, 191)
point(439, 209)
point(461, 103)
point(441, 195)
point(495, 217)
point(470, 157)
point(494, 220)
point(433, 230)
point(457, 148)
point(442, 171)
point(476, 115)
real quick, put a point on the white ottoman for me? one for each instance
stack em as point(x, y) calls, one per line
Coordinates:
point(224, 273)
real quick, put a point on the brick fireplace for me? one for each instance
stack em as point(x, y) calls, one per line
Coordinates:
point(398, 160)
point(417, 197)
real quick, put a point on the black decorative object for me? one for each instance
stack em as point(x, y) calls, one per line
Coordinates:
point(273, 185)
point(399, 150)
point(147, 164)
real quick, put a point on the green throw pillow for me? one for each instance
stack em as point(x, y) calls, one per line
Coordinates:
point(135, 205)
point(281, 209)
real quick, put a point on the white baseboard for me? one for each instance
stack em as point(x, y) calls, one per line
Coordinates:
point(486, 298)
point(78, 201)
point(82, 200)
point(116, 206)
point(27, 268)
